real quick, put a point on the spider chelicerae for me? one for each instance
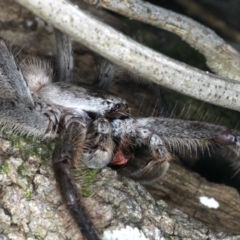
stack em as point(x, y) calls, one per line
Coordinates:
point(89, 125)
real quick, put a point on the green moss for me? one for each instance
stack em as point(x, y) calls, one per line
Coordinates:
point(27, 193)
point(4, 168)
point(85, 177)
point(22, 170)
point(28, 146)
point(91, 175)
point(86, 192)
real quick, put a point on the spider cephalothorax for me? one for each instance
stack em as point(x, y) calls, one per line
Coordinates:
point(89, 125)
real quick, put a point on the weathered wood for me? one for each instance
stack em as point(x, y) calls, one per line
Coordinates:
point(183, 189)
point(135, 57)
point(180, 188)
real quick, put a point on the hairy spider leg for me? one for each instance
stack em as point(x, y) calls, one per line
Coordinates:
point(24, 120)
point(18, 111)
point(99, 146)
point(179, 134)
point(69, 148)
point(66, 154)
point(13, 84)
point(157, 167)
point(164, 136)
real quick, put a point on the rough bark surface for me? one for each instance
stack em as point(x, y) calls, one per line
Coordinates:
point(30, 206)
point(184, 190)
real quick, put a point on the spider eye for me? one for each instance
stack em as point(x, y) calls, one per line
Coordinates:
point(117, 106)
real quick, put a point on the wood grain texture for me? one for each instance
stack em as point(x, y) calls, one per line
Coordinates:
point(180, 188)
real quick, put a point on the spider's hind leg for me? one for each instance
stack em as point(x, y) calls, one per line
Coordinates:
point(22, 119)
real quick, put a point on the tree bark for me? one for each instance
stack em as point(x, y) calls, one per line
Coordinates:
point(31, 208)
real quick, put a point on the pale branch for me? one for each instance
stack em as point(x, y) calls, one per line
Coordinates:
point(221, 57)
point(135, 57)
point(195, 9)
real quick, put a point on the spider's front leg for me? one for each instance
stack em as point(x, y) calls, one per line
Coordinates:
point(165, 135)
point(99, 146)
point(158, 166)
point(67, 152)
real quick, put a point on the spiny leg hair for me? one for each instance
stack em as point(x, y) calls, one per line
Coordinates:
point(163, 135)
point(66, 153)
